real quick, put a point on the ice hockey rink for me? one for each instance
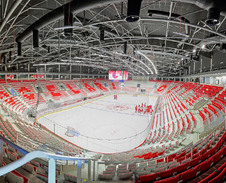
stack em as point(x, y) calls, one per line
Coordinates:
point(104, 124)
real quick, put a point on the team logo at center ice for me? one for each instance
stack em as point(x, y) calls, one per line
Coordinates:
point(117, 107)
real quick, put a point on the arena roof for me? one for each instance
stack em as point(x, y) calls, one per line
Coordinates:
point(168, 35)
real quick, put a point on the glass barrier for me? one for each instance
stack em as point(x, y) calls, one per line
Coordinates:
point(82, 139)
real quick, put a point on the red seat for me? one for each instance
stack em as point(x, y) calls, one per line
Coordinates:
point(182, 167)
point(217, 157)
point(213, 150)
point(194, 161)
point(208, 178)
point(205, 165)
point(148, 178)
point(189, 174)
point(167, 173)
point(204, 156)
point(181, 159)
point(220, 169)
point(219, 178)
point(194, 150)
point(224, 151)
point(170, 179)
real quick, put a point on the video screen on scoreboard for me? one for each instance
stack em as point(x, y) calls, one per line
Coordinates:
point(125, 75)
point(115, 75)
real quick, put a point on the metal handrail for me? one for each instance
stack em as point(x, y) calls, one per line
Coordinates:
point(36, 154)
point(39, 154)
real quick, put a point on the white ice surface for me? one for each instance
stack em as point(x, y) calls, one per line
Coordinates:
point(105, 124)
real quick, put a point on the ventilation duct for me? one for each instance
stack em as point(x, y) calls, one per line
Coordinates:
point(214, 8)
point(75, 7)
point(133, 10)
point(49, 49)
point(19, 49)
point(35, 38)
point(101, 28)
point(125, 47)
point(213, 17)
point(68, 20)
point(10, 55)
point(167, 14)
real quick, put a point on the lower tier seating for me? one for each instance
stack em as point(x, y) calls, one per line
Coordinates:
point(197, 165)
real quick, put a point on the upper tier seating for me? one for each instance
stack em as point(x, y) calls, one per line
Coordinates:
point(73, 89)
point(89, 87)
point(53, 90)
point(22, 88)
point(100, 86)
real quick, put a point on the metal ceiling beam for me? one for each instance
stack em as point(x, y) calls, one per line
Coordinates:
point(75, 5)
point(161, 20)
point(163, 53)
point(11, 25)
point(13, 8)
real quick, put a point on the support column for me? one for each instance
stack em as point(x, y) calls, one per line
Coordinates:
point(52, 171)
point(29, 67)
point(201, 64)
point(45, 68)
point(194, 68)
point(211, 63)
point(94, 177)
point(79, 171)
point(70, 68)
point(89, 171)
point(59, 67)
point(1, 152)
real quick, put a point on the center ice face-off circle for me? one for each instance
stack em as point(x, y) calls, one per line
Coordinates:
point(118, 107)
